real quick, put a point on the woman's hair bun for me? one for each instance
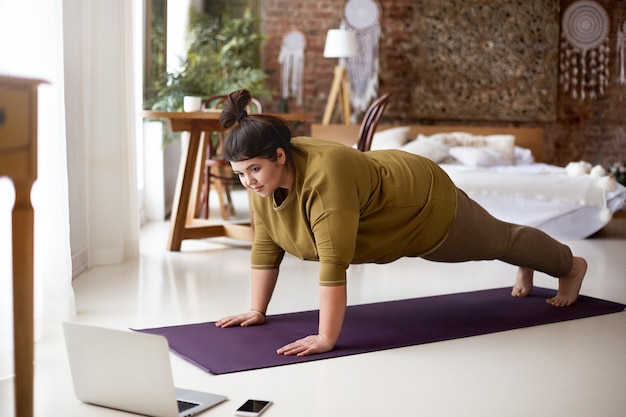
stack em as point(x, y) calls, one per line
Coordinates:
point(234, 107)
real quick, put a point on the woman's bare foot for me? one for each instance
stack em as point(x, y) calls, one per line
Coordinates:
point(569, 285)
point(523, 282)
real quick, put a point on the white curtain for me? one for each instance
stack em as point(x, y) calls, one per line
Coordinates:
point(31, 33)
point(89, 104)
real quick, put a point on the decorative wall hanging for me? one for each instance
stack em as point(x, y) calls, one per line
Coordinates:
point(363, 17)
point(481, 60)
point(291, 58)
point(621, 51)
point(584, 63)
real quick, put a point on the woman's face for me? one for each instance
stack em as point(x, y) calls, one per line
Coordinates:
point(262, 175)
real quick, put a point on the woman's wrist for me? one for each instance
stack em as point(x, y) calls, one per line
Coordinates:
point(326, 340)
point(258, 311)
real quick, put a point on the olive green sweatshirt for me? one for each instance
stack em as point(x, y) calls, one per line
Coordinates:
point(349, 207)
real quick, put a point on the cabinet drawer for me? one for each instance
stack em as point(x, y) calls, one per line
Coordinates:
point(14, 123)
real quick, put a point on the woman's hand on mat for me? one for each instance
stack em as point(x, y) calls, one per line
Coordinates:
point(307, 346)
point(249, 318)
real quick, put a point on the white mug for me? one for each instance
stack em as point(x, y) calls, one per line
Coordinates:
point(192, 103)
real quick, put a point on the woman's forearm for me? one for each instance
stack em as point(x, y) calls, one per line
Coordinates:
point(263, 282)
point(333, 300)
point(332, 310)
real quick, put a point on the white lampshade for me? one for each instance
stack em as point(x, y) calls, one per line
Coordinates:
point(340, 43)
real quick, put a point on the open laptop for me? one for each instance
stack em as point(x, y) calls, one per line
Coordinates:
point(128, 371)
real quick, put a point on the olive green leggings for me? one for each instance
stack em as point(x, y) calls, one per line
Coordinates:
point(477, 235)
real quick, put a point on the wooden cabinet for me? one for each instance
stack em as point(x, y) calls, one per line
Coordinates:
point(18, 161)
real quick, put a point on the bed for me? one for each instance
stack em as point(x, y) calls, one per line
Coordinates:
point(502, 169)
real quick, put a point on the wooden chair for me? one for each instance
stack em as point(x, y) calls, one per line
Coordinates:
point(217, 173)
point(370, 122)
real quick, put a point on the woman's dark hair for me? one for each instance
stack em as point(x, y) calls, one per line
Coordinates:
point(254, 135)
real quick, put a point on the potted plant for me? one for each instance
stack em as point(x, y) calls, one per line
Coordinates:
point(223, 56)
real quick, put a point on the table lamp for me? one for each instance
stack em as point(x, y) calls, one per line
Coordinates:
point(340, 43)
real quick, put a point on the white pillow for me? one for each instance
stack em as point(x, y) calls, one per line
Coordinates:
point(392, 138)
point(502, 143)
point(427, 148)
point(523, 156)
point(450, 138)
point(478, 156)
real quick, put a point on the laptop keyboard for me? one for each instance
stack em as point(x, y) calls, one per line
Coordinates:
point(184, 405)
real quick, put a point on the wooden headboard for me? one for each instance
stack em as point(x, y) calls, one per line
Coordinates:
point(525, 137)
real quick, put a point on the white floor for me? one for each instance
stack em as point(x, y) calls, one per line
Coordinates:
point(575, 368)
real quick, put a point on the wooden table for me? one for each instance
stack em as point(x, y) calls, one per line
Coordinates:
point(183, 223)
point(18, 161)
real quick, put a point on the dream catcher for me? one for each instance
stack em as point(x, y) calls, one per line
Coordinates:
point(291, 58)
point(584, 50)
point(363, 17)
point(621, 49)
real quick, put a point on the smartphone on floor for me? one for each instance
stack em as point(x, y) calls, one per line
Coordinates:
point(252, 408)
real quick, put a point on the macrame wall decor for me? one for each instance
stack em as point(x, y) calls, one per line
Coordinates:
point(584, 60)
point(481, 60)
point(363, 17)
point(291, 58)
point(621, 51)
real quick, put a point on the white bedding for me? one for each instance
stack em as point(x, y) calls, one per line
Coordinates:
point(567, 203)
point(544, 196)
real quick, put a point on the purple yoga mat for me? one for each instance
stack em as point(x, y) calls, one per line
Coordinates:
point(373, 327)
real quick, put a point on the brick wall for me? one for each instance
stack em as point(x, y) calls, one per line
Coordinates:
point(313, 18)
point(592, 130)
